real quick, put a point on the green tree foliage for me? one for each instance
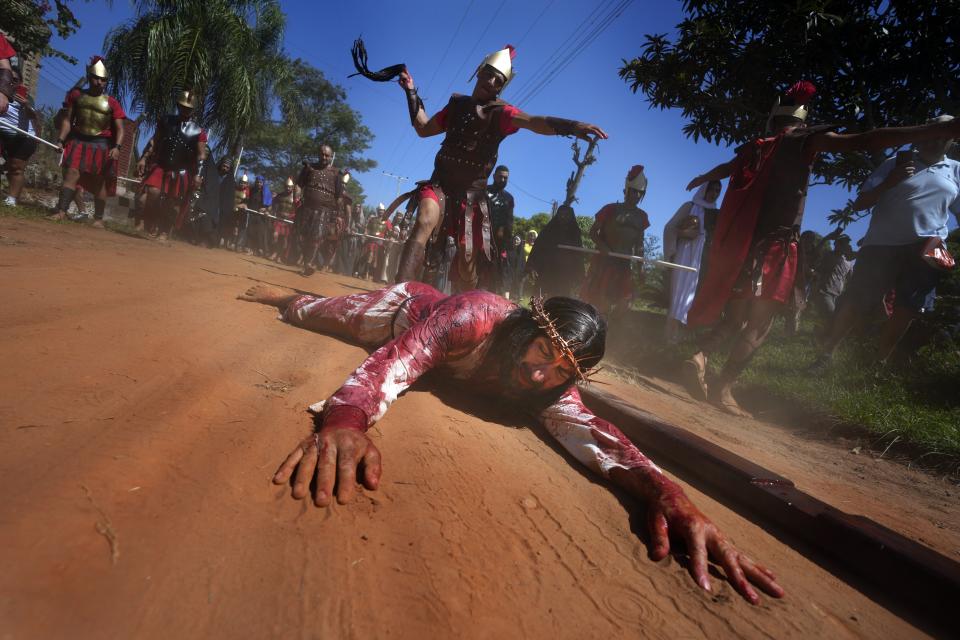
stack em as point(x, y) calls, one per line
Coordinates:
point(31, 24)
point(876, 63)
point(536, 222)
point(228, 51)
point(585, 223)
point(314, 112)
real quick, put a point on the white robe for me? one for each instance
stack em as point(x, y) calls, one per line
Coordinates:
point(688, 252)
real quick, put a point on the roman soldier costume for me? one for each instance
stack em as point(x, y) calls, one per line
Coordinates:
point(90, 137)
point(179, 143)
point(621, 228)
point(754, 252)
point(458, 184)
point(284, 207)
point(475, 126)
point(319, 207)
point(373, 248)
point(241, 194)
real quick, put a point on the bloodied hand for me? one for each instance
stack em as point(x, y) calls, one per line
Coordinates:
point(670, 514)
point(336, 457)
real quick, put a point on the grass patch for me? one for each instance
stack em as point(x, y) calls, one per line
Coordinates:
point(24, 211)
point(910, 406)
point(38, 212)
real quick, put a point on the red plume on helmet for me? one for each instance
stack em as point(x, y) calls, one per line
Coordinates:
point(635, 170)
point(94, 60)
point(800, 93)
point(513, 51)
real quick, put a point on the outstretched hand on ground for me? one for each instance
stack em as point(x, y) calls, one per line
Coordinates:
point(335, 456)
point(672, 514)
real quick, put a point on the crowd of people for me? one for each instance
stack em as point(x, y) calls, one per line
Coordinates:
point(736, 262)
point(734, 266)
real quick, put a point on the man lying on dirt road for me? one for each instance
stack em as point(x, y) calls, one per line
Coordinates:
point(531, 357)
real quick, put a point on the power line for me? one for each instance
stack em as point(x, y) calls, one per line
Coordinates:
point(460, 68)
point(579, 47)
point(586, 45)
point(475, 45)
point(447, 50)
point(514, 184)
point(535, 21)
point(405, 136)
point(53, 74)
point(564, 45)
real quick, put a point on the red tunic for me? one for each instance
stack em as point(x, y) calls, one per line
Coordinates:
point(418, 329)
point(6, 51)
point(609, 280)
point(91, 156)
point(743, 263)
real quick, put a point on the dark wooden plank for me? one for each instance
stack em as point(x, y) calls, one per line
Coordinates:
point(900, 568)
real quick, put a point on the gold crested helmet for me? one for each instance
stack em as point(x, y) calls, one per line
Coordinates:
point(381, 207)
point(793, 103)
point(289, 183)
point(187, 98)
point(636, 179)
point(245, 179)
point(502, 62)
point(97, 68)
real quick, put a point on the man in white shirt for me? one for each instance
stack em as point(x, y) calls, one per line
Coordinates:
point(912, 195)
point(16, 148)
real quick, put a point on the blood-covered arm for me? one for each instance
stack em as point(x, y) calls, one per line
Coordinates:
point(600, 446)
point(335, 453)
point(551, 126)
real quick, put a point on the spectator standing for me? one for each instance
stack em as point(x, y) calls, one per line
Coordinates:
point(16, 148)
point(684, 238)
point(912, 196)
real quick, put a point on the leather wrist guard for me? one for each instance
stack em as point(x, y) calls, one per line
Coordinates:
point(8, 82)
point(414, 104)
point(562, 126)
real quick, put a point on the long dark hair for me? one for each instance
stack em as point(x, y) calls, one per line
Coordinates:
point(579, 323)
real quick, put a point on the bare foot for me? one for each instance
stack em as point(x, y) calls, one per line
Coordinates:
point(278, 297)
point(695, 370)
point(97, 224)
point(58, 216)
point(725, 401)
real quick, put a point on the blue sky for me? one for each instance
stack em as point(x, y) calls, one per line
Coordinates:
point(587, 89)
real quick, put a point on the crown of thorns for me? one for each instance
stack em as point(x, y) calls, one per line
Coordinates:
point(561, 344)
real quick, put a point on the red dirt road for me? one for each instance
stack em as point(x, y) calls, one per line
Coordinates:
point(143, 411)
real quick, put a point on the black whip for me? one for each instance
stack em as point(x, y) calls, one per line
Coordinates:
point(386, 74)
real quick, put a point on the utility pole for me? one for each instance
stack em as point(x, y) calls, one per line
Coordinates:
point(399, 179)
point(573, 182)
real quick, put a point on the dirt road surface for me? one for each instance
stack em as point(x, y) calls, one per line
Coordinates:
point(144, 409)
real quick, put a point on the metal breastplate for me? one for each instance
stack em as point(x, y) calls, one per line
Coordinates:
point(469, 150)
point(624, 229)
point(376, 228)
point(91, 114)
point(285, 205)
point(322, 187)
point(178, 145)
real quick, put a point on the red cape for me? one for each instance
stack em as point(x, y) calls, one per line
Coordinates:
point(736, 223)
